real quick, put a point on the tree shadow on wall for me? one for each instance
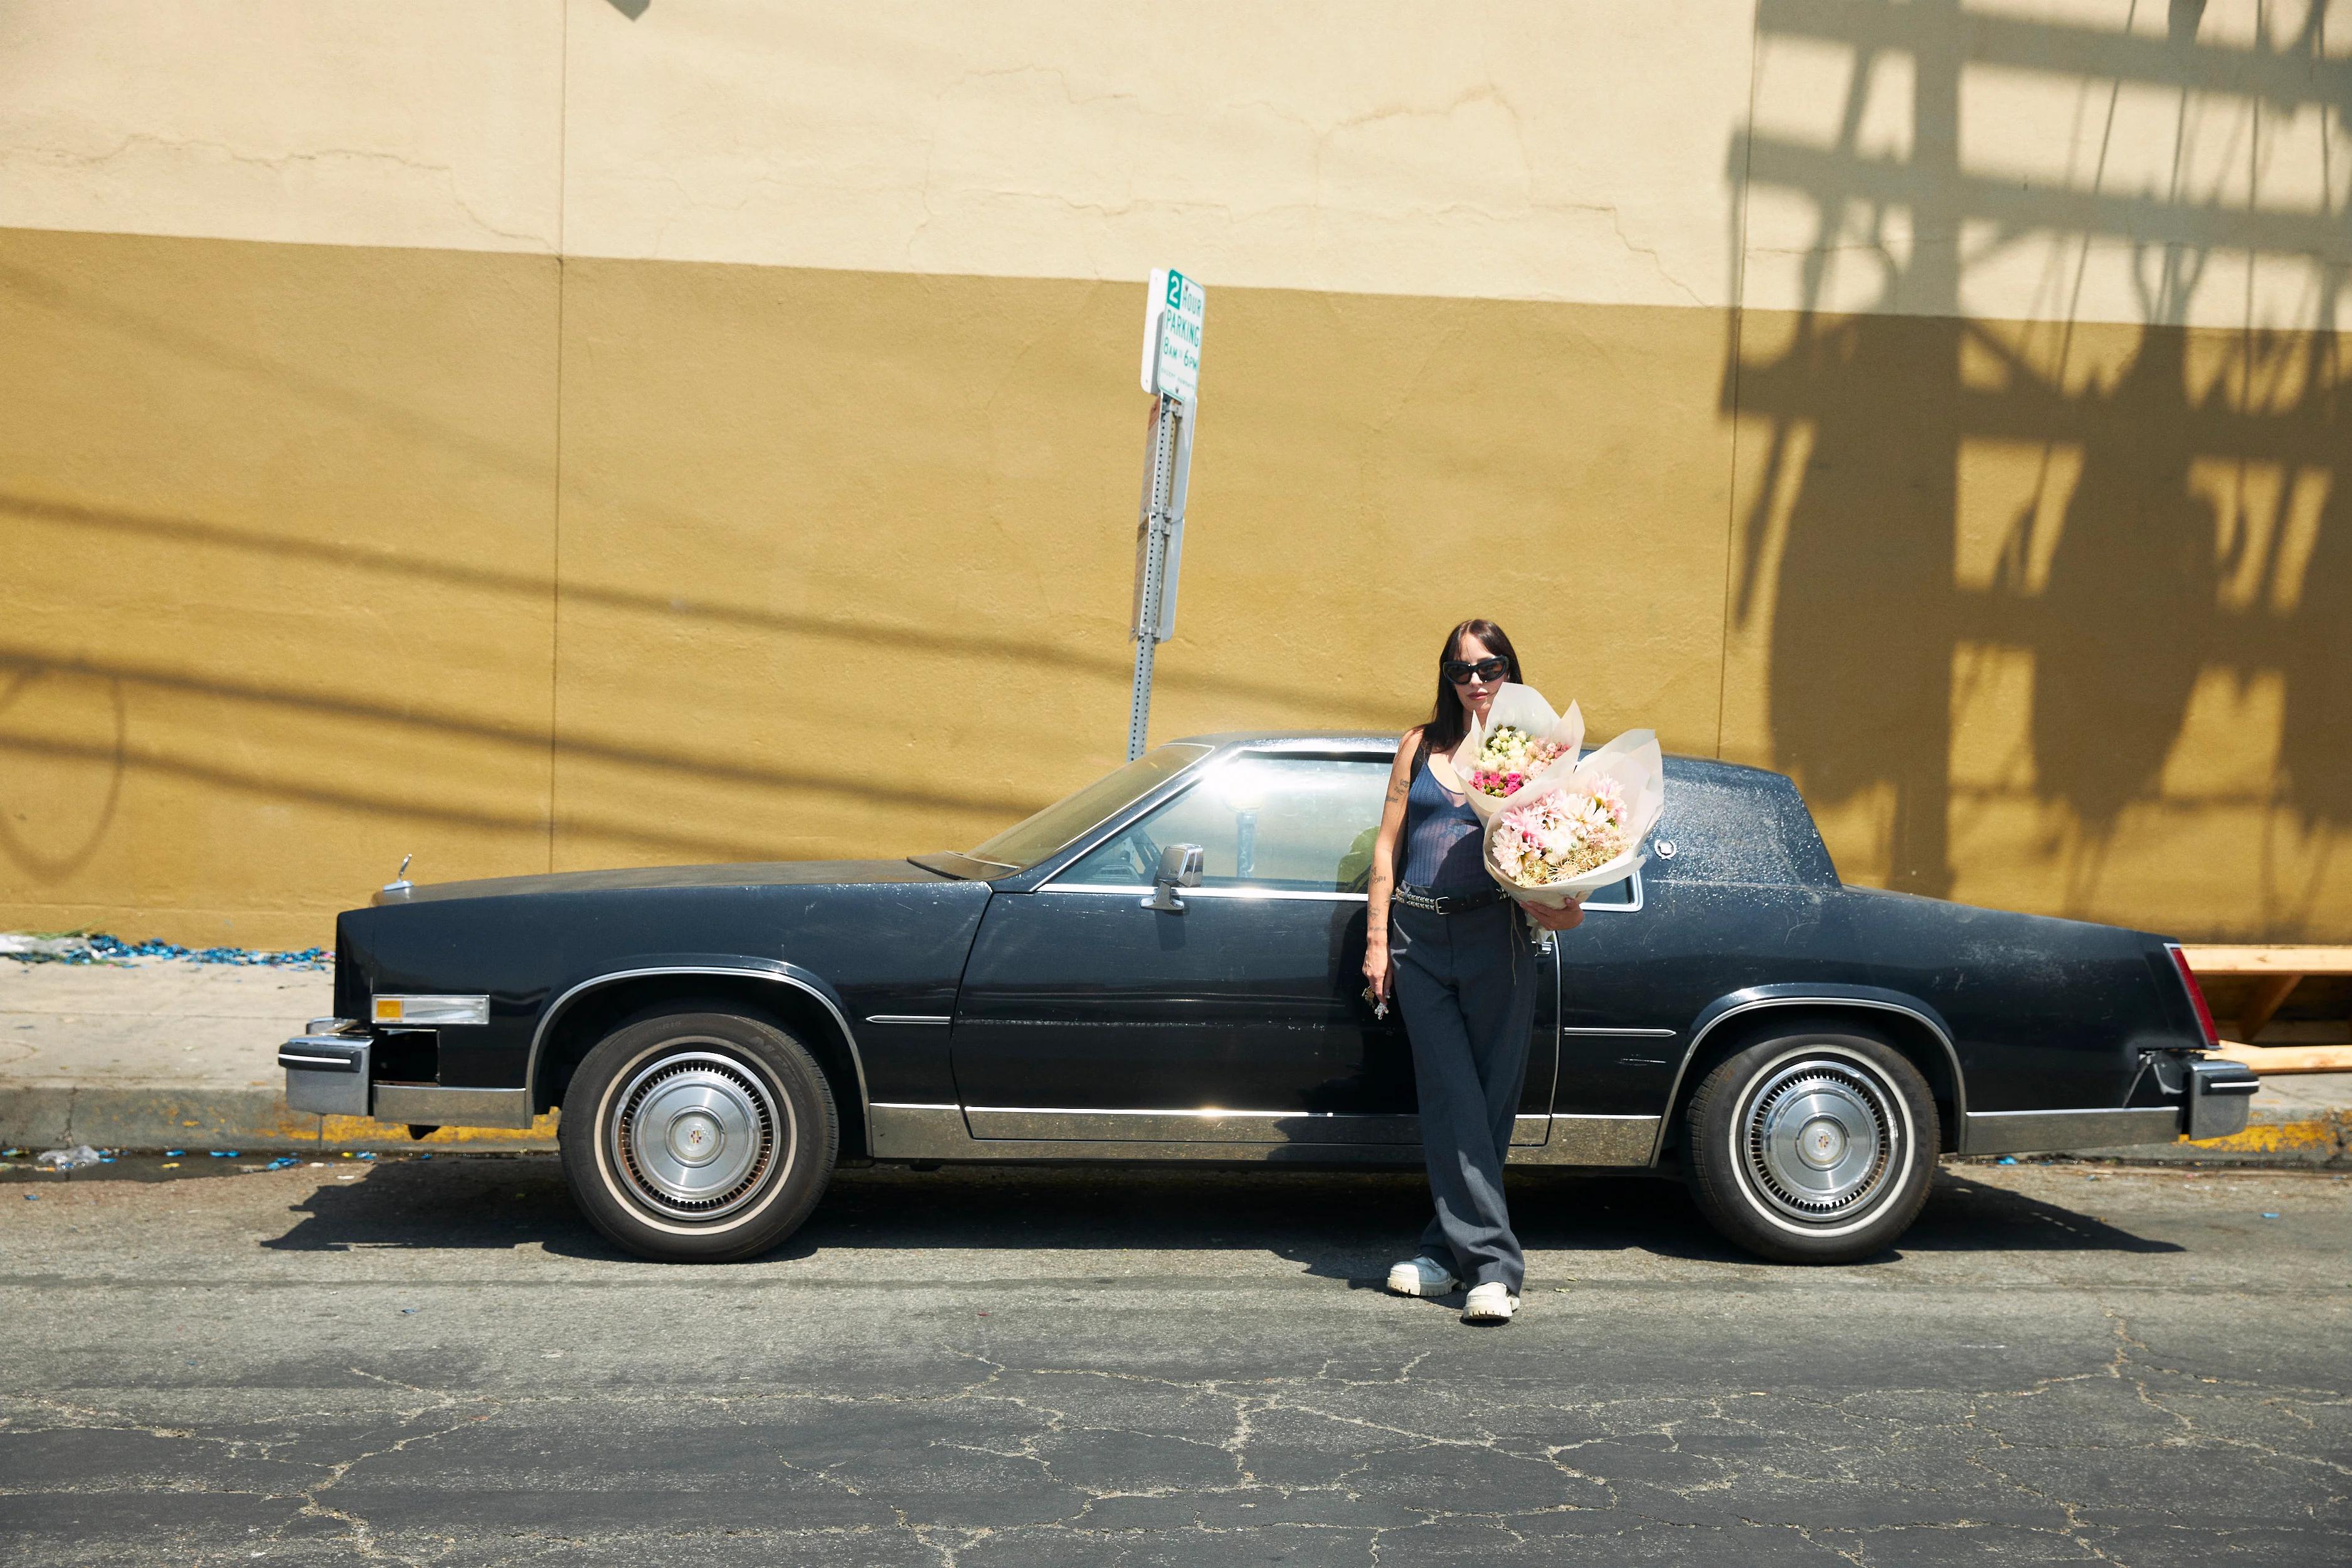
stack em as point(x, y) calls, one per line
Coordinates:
point(2171, 537)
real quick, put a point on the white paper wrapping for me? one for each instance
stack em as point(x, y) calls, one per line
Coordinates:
point(1639, 768)
point(1523, 706)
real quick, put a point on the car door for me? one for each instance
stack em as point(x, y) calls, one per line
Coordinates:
point(1618, 1030)
point(1087, 1015)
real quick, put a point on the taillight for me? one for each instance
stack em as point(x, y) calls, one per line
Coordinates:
point(2196, 994)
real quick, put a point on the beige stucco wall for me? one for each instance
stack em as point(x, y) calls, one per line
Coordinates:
point(532, 437)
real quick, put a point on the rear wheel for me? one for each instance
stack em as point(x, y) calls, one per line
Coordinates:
point(698, 1136)
point(1816, 1146)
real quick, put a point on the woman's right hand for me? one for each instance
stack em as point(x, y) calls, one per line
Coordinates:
point(1377, 975)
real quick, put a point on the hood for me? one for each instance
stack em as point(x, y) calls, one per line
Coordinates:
point(748, 874)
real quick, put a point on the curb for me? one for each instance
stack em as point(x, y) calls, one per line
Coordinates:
point(2323, 1141)
point(2320, 1142)
point(43, 1116)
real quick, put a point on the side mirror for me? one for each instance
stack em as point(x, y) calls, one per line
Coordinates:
point(1180, 867)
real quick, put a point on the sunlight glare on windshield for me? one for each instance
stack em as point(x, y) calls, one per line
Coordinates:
point(1026, 843)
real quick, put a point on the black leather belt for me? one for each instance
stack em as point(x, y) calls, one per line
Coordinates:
point(1413, 897)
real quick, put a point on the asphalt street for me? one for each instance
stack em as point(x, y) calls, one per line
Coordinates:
point(436, 1362)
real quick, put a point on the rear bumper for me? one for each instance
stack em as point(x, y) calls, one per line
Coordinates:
point(2212, 1101)
point(329, 1071)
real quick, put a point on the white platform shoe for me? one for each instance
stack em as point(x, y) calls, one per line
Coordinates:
point(1422, 1275)
point(1489, 1303)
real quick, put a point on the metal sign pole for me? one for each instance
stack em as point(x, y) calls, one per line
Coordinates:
point(1175, 307)
point(1160, 477)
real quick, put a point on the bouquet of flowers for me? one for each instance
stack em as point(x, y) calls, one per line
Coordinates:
point(1519, 744)
point(1583, 831)
point(1507, 759)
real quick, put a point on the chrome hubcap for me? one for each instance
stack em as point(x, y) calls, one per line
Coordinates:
point(1819, 1138)
point(697, 1135)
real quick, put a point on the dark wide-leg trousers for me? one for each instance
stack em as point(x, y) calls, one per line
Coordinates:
point(1466, 986)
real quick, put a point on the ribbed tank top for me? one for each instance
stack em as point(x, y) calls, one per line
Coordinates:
point(1442, 841)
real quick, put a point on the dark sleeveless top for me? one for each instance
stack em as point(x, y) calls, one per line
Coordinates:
point(1443, 843)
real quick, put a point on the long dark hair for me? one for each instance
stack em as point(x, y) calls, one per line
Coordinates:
point(1449, 719)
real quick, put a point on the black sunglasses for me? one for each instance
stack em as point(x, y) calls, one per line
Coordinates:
point(1461, 670)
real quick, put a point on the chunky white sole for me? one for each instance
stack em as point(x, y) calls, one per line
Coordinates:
point(1481, 1310)
point(1404, 1279)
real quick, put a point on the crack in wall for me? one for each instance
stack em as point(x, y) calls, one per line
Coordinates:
point(281, 162)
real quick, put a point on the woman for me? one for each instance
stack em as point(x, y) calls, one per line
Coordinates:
point(1445, 941)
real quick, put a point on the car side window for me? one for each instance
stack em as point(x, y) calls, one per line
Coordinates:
point(1286, 824)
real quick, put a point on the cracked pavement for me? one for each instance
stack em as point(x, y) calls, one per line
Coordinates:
point(436, 1362)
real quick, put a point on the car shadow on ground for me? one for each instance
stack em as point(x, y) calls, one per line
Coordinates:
point(1347, 1225)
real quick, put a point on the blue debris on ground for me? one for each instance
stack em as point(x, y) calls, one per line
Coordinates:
point(98, 947)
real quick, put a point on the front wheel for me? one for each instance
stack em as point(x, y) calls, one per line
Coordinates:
point(1813, 1147)
point(697, 1137)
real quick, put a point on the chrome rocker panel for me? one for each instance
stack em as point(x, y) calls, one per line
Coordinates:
point(927, 1132)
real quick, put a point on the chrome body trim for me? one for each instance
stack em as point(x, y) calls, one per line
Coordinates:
point(993, 1123)
point(920, 1131)
point(292, 1054)
point(340, 1046)
point(428, 1104)
point(778, 975)
point(1641, 896)
point(2051, 1131)
point(1592, 1141)
point(1060, 1150)
point(1257, 893)
point(939, 1018)
point(1303, 896)
point(333, 1026)
point(1742, 1003)
point(1640, 1033)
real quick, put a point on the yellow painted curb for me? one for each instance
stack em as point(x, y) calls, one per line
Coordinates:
point(2278, 1138)
point(367, 1129)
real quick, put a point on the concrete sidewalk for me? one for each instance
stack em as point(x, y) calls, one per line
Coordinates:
point(166, 1053)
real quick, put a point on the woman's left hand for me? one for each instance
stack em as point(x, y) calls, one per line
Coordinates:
point(1568, 917)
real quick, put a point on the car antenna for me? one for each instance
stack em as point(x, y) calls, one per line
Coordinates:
point(400, 883)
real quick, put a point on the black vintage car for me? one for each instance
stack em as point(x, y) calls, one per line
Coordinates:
point(1165, 966)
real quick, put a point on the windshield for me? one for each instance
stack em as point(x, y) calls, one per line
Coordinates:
point(1024, 844)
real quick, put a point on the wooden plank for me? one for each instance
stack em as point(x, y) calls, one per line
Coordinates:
point(2252, 959)
point(2269, 991)
point(2269, 1060)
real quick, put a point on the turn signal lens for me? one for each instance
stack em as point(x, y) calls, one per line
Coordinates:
point(2196, 994)
point(424, 1011)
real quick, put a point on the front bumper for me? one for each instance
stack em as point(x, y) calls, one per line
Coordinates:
point(330, 1071)
point(327, 1068)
